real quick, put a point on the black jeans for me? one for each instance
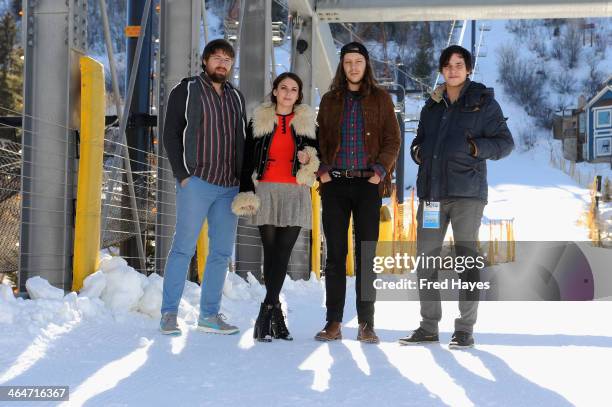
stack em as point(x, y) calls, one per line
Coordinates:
point(339, 198)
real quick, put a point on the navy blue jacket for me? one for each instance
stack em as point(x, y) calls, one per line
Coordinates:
point(454, 141)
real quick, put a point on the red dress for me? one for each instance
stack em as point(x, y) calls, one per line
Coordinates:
point(282, 150)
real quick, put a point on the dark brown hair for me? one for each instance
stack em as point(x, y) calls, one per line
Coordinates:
point(217, 45)
point(340, 84)
point(448, 52)
point(281, 78)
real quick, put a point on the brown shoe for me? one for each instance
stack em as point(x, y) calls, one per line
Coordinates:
point(366, 333)
point(331, 332)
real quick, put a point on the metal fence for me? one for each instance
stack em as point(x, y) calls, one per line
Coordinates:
point(119, 226)
point(10, 207)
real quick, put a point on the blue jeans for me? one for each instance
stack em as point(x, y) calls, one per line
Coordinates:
point(196, 202)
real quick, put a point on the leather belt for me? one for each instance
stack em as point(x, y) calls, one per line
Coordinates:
point(337, 173)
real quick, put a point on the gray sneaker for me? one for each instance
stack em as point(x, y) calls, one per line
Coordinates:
point(216, 325)
point(168, 324)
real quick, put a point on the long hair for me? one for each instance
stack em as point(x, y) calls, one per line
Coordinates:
point(339, 84)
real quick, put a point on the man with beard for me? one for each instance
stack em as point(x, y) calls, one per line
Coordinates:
point(204, 137)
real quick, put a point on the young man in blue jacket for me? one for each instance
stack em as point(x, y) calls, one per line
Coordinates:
point(461, 126)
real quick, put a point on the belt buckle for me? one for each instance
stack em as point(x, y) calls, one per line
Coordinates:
point(346, 174)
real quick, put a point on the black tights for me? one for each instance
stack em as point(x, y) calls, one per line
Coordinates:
point(277, 243)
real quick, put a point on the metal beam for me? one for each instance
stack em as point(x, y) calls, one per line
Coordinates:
point(302, 7)
point(179, 57)
point(255, 49)
point(53, 31)
point(137, 137)
point(301, 55)
point(120, 151)
point(320, 52)
point(438, 10)
point(325, 56)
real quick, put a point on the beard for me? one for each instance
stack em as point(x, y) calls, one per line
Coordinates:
point(354, 82)
point(217, 77)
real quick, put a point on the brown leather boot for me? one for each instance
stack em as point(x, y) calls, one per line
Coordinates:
point(366, 333)
point(331, 332)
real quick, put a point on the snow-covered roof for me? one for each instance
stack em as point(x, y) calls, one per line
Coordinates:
point(598, 96)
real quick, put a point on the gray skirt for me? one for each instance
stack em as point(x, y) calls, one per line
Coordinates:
point(282, 204)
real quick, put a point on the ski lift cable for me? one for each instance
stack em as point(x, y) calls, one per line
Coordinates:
point(448, 42)
point(463, 27)
point(281, 4)
point(477, 56)
point(459, 42)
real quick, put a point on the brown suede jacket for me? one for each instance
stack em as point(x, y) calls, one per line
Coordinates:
point(382, 134)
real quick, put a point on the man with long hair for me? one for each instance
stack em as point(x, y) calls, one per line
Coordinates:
point(359, 140)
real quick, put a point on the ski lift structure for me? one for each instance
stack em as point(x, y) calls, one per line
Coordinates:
point(279, 30)
point(481, 48)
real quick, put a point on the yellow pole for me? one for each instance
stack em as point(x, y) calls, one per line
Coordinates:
point(394, 204)
point(89, 199)
point(413, 226)
point(385, 234)
point(396, 216)
point(491, 248)
point(202, 250)
point(386, 226)
point(315, 251)
point(350, 261)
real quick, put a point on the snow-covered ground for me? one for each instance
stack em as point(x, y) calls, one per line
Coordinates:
point(528, 353)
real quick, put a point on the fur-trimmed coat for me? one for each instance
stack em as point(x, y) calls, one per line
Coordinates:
point(260, 132)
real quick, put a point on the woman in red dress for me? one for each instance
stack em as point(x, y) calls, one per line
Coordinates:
point(280, 165)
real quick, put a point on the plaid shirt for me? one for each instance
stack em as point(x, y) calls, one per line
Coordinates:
point(352, 154)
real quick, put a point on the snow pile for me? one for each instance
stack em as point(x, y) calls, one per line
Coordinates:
point(93, 285)
point(7, 301)
point(6, 293)
point(236, 288)
point(116, 290)
point(122, 288)
point(123, 285)
point(151, 300)
point(39, 288)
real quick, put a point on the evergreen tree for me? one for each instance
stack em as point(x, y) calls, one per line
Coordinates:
point(11, 66)
point(423, 65)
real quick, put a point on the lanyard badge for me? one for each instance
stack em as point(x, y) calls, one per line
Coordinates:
point(431, 215)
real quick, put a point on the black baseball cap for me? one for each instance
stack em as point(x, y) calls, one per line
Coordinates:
point(354, 47)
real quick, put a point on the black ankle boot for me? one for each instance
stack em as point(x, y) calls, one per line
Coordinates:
point(263, 325)
point(279, 328)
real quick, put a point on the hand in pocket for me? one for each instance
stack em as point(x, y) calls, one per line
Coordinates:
point(325, 178)
point(374, 179)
